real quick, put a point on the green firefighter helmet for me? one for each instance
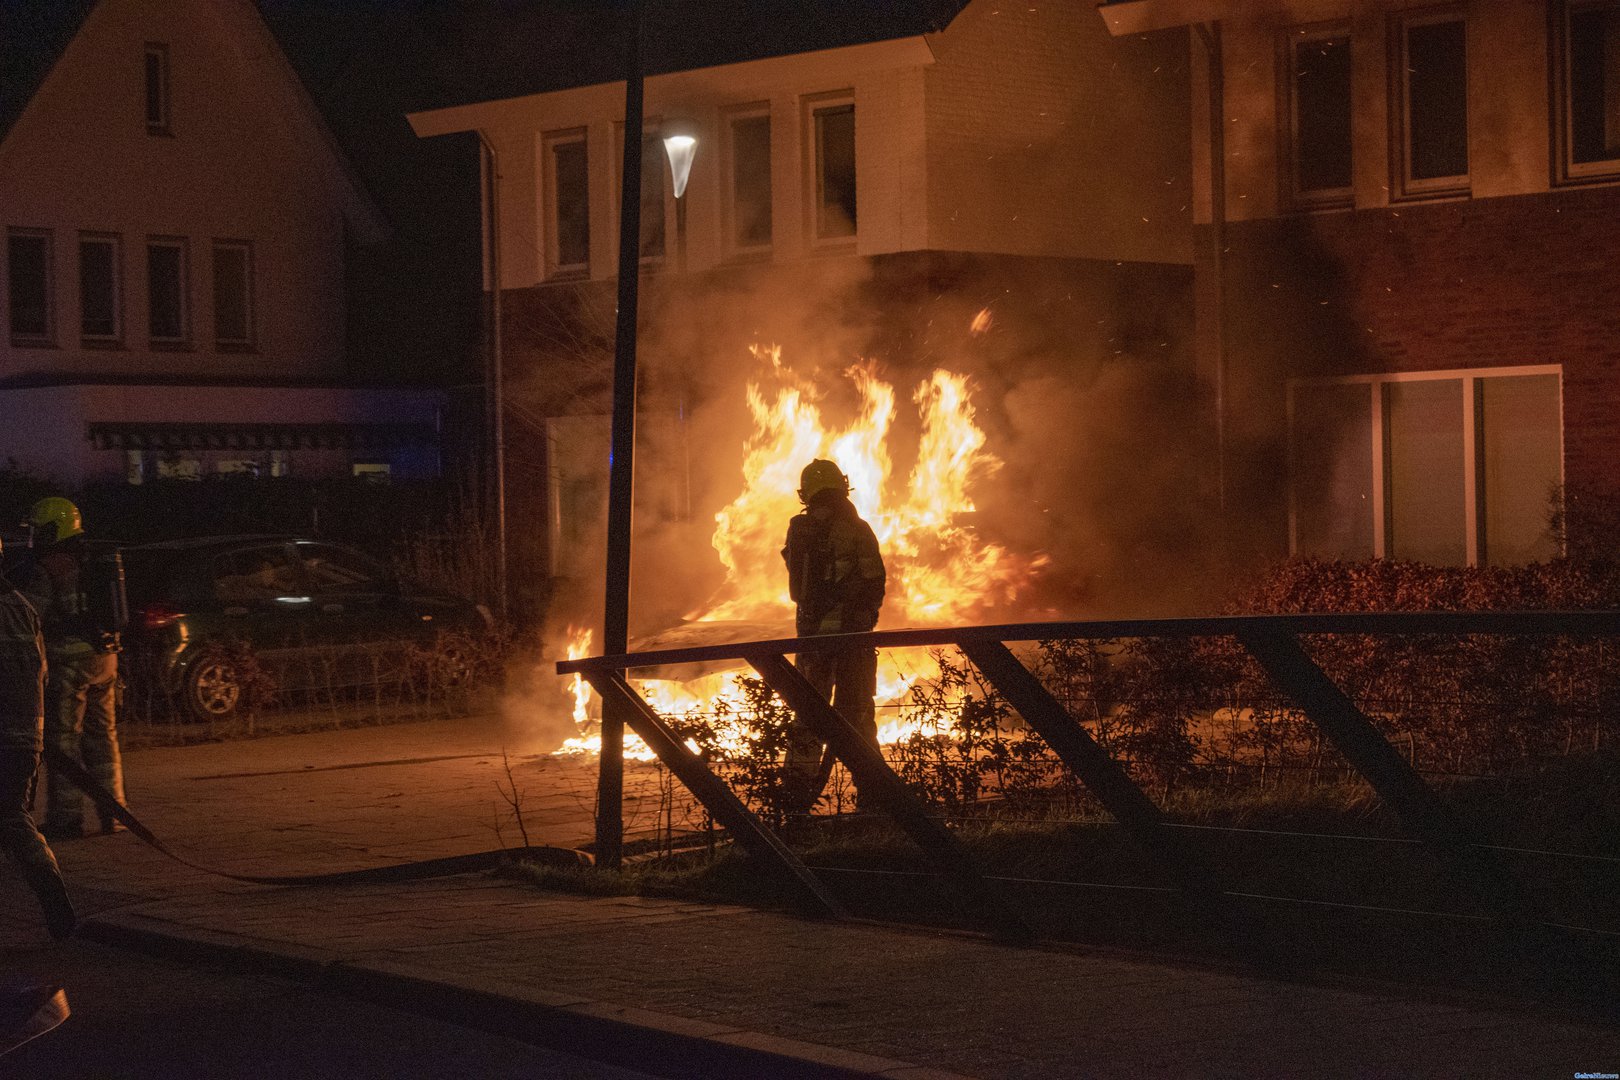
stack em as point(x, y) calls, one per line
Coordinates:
point(55, 519)
point(821, 475)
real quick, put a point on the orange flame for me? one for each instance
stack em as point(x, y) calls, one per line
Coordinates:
point(589, 739)
point(940, 572)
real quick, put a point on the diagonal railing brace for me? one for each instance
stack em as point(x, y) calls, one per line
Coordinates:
point(712, 792)
point(1421, 812)
point(877, 782)
point(1101, 774)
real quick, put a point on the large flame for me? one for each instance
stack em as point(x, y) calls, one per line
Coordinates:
point(940, 571)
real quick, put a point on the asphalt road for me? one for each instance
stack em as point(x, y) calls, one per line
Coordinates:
point(138, 1018)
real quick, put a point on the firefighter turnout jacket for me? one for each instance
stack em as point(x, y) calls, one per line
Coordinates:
point(54, 583)
point(22, 674)
point(835, 570)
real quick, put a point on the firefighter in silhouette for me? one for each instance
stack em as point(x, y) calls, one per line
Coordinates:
point(22, 720)
point(836, 579)
point(82, 650)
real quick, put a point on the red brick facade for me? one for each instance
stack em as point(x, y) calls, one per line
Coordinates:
point(1498, 282)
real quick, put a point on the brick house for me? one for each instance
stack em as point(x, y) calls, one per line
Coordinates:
point(1404, 219)
point(867, 178)
point(177, 219)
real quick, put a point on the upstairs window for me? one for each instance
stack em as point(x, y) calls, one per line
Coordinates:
point(157, 89)
point(1447, 468)
point(1587, 38)
point(233, 294)
point(1430, 91)
point(653, 172)
point(1318, 93)
point(747, 152)
point(568, 205)
point(167, 314)
point(100, 309)
point(832, 133)
point(29, 287)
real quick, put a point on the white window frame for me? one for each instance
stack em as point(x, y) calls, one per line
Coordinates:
point(1405, 186)
point(728, 183)
point(48, 338)
point(249, 289)
point(114, 242)
point(1294, 39)
point(160, 124)
point(1568, 170)
point(1377, 407)
point(549, 141)
point(179, 244)
point(809, 106)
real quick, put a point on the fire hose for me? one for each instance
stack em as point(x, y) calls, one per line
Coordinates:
point(110, 807)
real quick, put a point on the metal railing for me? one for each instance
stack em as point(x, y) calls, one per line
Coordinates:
point(1271, 640)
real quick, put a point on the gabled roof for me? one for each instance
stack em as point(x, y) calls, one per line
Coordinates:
point(490, 50)
point(33, 36)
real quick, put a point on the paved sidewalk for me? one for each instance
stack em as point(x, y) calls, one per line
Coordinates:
point(656, 983)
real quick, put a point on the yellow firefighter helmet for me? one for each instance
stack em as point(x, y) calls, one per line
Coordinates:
point(59, 516)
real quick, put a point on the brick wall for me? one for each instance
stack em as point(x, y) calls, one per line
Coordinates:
point(1483, 283)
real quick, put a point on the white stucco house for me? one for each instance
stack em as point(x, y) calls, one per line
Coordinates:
point(176, 216)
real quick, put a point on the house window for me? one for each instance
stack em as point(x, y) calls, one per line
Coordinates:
point(233, 294)
point(1588, 130)
point(568, 205)
point(747, 153)
point(99, 288)
point(175, 465)
point(1318, 92)
point(167, 311)
point(1451, 468)
point(157, 89)
point(653, 171)
point(832, 133)
point(1430, 89)
point(29, 287)
point(248, 468)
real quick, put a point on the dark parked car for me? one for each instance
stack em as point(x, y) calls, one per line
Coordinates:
point(310, 614)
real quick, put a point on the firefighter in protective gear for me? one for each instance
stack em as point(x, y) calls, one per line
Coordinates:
point(22, 719)
point(836, 579)
point(81, 687)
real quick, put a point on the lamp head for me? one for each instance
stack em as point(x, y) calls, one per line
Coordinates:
point(680, 143)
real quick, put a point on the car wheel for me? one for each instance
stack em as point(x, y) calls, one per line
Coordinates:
point(213, 687)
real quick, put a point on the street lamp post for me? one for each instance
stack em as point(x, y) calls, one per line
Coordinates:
point(680, 143)
point(621, 473)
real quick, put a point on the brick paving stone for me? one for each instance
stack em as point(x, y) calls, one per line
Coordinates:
point(378, 796)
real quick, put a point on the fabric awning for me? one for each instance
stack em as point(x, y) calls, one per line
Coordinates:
point(167, 436)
